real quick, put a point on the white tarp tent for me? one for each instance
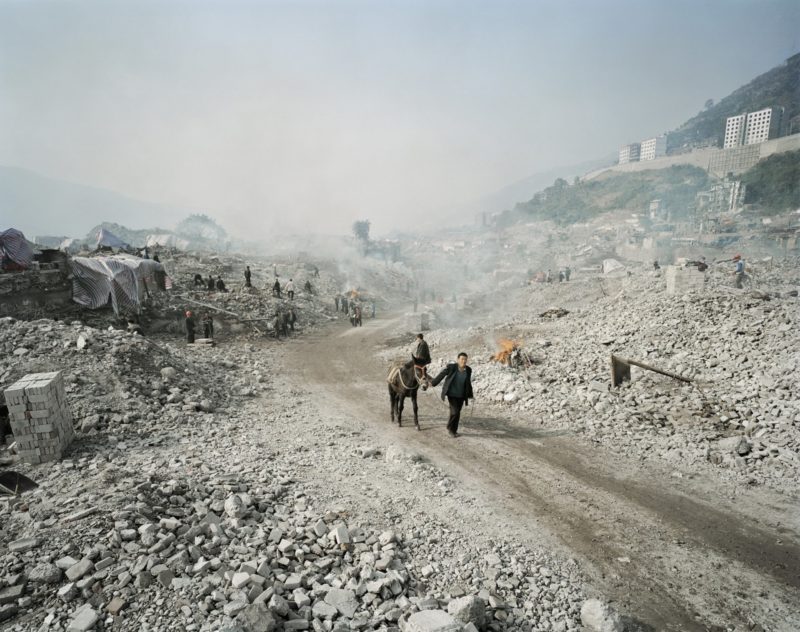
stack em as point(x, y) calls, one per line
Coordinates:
point(122, 280)
point(611, 265)
point(167, 240)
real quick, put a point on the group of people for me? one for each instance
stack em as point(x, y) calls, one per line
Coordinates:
point(210, 284)
point(352, 308)
point(549, 277)
point(457, 378)
point(206, 321)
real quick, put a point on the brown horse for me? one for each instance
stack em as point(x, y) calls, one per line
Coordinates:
point(404, 381)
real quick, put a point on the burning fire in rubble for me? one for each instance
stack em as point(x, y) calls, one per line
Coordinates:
point(507, 347)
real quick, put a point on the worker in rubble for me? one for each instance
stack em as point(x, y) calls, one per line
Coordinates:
point(156, 258)
point(549, 277)
point(247, 277)
point(457, 389)
point(291, 318)
point(276, 288)
point(738, 271)
point(208, 325)
point(421, 353)
point(221, 285)
point(345, 307)
point(567, 272)
point(373, 308)
point(702, 265)
point(198, 280)
point(655, 265)
point(560, 276)
point(307, 287)
point(290, 290)
point(210, 283)
point(189, 327)
point(336, 301)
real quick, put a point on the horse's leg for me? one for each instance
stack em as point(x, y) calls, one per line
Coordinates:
point(392, 400)
point(414, 404)
point(400, 401)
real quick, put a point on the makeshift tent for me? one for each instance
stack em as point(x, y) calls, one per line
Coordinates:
point(122, 281)
point(167, 240)
point(15, 248)
point(611, 265)
point(109, 240)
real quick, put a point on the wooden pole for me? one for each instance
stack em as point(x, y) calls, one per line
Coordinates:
point(617, 376)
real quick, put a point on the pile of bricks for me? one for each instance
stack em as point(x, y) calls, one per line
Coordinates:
point(40, 417)
point(684, 280)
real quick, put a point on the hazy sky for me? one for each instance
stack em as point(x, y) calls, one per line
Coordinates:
point(298, 114)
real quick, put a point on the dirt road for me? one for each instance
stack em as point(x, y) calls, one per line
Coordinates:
point(675, 554)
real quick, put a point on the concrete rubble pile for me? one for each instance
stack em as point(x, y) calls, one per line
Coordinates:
point(741, 413)
point(114, 380)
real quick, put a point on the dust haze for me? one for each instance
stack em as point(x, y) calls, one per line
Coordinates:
point(288, 117)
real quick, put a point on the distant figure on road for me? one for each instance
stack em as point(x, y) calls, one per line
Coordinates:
point(457, 388)
point(290, 290)
point(208, 326)
point(247, 276)
point(567, 272)
point(276, 288)
point(189, 327)
point(221, 285)
point(560, 276)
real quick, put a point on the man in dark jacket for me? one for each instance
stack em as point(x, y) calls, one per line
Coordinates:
point(189, 327)
point(421, 353)
point(457, 388)
point(247, 277)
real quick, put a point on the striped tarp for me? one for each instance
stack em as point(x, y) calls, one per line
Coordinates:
point(14, 246)
point(124, 281)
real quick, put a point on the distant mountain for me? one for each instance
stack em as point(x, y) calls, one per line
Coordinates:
point(38, 205)
point(777, 87)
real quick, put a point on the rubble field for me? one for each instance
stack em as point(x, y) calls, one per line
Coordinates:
point(257, 484)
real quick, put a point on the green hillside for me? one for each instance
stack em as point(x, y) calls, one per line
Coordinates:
point(773, 185)
point(777, 87)
point(567, 203)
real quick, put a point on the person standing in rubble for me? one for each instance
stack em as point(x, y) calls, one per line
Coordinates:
point(738, 272)
point(336, 301)
point(373, 308)
point(189, 327)
point(208, 325)
point(198, 280)
point(567, 272)
point(210, 283)
point(221, 285)
point(549, 277)
point(290, 290)
point(457, 389)
point(276, 288)
point(247, 277)
point(560, 276)
point(345, 306)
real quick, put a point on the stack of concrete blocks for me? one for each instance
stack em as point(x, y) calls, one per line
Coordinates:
point(40, 417)
point(682, 280)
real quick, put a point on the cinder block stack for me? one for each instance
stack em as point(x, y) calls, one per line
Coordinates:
point(40, 417)
point(684, 280)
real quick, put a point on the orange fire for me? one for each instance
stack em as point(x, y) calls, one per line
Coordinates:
point(507, 347)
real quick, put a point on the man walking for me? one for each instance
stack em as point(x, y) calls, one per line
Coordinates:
point(208, 325)
point(276, 288)
point(457, 388)
point(290, 290)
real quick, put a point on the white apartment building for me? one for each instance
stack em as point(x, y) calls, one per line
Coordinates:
point(762, 125)
point(629, 153)
point(653, 148)
point(734, 131)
